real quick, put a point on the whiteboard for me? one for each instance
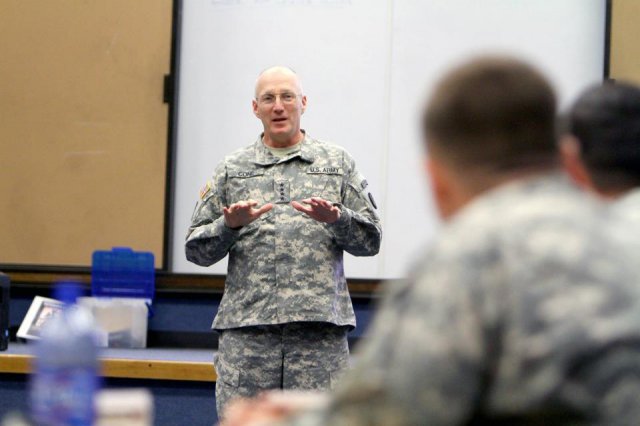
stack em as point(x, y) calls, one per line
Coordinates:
point(366, 67)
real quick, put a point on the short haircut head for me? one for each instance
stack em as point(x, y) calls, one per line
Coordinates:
point(274, 70)
point(493, 114)
point(606, 122)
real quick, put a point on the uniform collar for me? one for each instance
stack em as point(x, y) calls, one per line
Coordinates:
point(264, 157)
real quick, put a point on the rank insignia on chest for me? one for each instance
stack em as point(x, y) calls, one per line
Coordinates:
point(283, 191)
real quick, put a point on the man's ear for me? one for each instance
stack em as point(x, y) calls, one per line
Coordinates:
point(432, 170)
point(573, 164)
point(440, 184)
point(304, 103)
point(254, 105)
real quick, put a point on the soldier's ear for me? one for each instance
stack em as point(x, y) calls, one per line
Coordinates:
point(254, 106)
point(437, 183)
point(304, 103)
point(448, 193)
point(571, 157)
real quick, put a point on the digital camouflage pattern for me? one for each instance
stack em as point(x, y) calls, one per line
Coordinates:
point(302, 356)
point(629, 207)
point(525, 311)
point(285, 266)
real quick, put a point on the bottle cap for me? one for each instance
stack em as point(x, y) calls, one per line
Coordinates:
point(67, 292)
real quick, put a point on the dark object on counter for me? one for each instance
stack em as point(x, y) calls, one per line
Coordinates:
point(4, 311)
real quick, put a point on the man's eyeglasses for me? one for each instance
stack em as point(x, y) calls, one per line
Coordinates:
point(285, 98)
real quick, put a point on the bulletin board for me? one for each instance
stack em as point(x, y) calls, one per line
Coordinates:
point(83, 151)
point(624, 44)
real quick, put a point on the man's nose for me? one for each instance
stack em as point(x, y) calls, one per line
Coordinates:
point(278, 105)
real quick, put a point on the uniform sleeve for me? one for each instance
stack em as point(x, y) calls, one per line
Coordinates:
point(358, 231)
point(208, 238)
point(423, 361)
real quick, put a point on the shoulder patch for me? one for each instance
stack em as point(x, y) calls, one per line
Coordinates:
point(373, 202)
point(205, 189)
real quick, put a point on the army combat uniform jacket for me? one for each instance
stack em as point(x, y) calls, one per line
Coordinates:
point(525, 311)
point(285, 266)
point(628, 207)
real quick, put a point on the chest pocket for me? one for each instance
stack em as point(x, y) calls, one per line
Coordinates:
point(249, 184)
point(323, 181)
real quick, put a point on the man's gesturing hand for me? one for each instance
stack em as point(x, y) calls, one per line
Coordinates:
point(319, 209)
point(243, 213)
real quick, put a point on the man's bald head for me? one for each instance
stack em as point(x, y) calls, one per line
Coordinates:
point(277, 72)
point(279, 103)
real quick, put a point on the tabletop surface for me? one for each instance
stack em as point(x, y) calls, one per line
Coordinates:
point(147, 363)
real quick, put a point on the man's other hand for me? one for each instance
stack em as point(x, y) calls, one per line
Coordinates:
point(271, 407)
point(243, 213)
point(318, 209)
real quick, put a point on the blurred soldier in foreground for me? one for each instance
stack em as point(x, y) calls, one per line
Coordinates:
point(284, 208)
point(524, 311)
point(602, 149)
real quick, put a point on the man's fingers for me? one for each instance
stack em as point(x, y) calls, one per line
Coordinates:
point(296, 205)
point(242, 205)
point(328, 204)
point(290, 401)
point(237, 412)
point(321, 202)
point(263, 209)
point(235, 206)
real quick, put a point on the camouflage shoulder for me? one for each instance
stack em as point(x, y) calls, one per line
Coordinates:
point(206, 190)
point(330, 149)
point(628, 206)
point(240, 156)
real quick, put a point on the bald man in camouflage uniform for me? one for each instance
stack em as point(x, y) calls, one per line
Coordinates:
point(526, 310)
point(284, 209)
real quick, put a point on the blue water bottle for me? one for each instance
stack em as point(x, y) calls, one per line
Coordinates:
point(65, 377)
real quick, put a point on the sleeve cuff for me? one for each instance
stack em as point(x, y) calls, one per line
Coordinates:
point(224, 232)
point(342, 224)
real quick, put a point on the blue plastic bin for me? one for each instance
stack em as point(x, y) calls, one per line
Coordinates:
point(123, 272)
